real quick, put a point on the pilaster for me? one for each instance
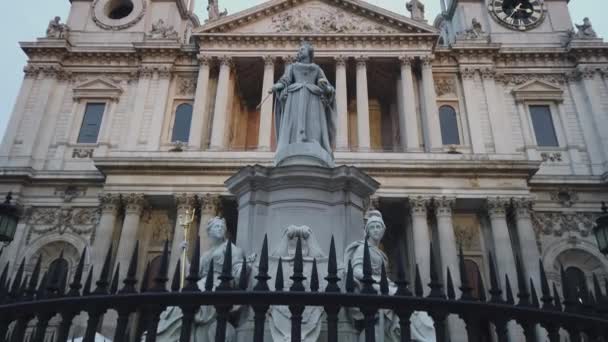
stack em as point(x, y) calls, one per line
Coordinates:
point(473, 115)
point(341, 104)
point(363, 130)
point(421, 235)
point(500, 125)
point(134, 206)
point(160, 108)
point(503, 249)
point(199, 132)
point(527, 239)
point(408, 119)
point(109, 204)
point(218, 131)
point(432, 128)
point(265, 130)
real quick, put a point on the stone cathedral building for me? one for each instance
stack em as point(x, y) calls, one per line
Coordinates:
point(487, 127)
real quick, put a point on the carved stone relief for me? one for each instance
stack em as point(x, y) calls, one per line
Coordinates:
point(324, 20)
point(518, 79)
point(160, 226)
point(445, 86)
point(82, 153)
point(186, 86)
point(565, 196)
point(466, 230)
point(69, 193)
point(77, 221)
point(557, 224)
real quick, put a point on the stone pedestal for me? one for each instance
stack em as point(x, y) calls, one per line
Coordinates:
point(328, 200)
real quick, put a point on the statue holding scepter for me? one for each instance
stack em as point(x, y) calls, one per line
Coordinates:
point(304, 115)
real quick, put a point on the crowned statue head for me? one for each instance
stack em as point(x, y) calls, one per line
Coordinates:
point(306, 53)
point(374, 226)
point(216, 229)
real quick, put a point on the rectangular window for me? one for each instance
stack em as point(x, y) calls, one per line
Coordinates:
point(91, 123)
point(543, 126)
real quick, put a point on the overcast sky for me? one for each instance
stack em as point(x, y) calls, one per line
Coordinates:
point(27, 19)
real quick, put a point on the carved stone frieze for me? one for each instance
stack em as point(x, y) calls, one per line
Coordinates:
point(445, 86)
point(552, 157)
point(467, 236)
point(518, 79)
point(160, 226)
point(82, 153)
point(558, 223)
point(186, 86)
point(330, 20)
point(70, 192)
point(77, 221)
point(565, 196)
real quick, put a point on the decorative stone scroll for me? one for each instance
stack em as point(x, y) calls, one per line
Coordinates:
point(77, 221)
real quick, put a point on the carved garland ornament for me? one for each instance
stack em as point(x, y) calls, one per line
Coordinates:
point(79, 221)
point(331, 21)
point(557, 224)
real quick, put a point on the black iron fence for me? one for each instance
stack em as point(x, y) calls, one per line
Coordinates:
point(578, 311)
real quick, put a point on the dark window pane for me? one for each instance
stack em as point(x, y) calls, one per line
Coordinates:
point(91, 123)
point(543, 126)
point(181, 126)
point(449, 126)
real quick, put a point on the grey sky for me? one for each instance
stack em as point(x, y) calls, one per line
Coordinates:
point(27, 19)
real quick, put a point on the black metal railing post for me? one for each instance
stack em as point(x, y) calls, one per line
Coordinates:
point(297, 285)
point(332, 279)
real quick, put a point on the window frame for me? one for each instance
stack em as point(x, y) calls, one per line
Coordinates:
point(458, 123)
point(557, 124)
point(176, 103)
point(79, 120)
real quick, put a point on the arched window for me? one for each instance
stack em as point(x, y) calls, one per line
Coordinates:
point(153, 271)
point(577, 276)
point(181, 125)
point(59, 267)
point(449, 125)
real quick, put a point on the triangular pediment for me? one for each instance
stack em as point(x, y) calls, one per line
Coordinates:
point(316, 17)
point(97, 88)
point(538, 90)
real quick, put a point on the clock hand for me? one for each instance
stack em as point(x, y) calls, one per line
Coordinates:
point(515, 10)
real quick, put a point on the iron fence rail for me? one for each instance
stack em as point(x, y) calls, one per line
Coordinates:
point(580, 311)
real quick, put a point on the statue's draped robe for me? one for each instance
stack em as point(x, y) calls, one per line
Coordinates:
point(421, 325)
point(304, 108)
point(170, 324)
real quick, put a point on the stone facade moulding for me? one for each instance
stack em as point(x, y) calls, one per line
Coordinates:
point(538, 90)
point(99, 88)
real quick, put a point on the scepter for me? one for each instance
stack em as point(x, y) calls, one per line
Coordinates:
point(185, 222)
point(264, 100)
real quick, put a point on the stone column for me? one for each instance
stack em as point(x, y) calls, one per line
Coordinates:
point(430, 120)
point(47, 90)
point(341, 104)
point(209, 209)
point(265, 130)
point(199, 131)
point(473, 117)
point(527, 239)
point(408, 119)
point(363, 132)
point(160, 108)
point(143, 86)
point(597, 117)
point(16, 117)
point(185, 204)
point(110, 203)
point(134, 206)
point(503, 249)
point(501, 126)
point(447, 239)
point(218, 131)
point(422, 240)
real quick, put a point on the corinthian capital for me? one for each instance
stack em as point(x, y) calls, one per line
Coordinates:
point(362, 61)
point(209, 204)
point(497, 206)
point(522, 207)
point(419, 205)
point(406, 60)
point(134, 203)
point(269, 60)
point(225, 61)
point(341, 60)
point(444, 205)
point(427, 61)
point(109, 203)
point(204, 60)
point(185, 201)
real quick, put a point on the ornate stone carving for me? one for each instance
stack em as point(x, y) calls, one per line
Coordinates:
point(185, 201)
point(468, 73)
point(161, 226)
point(78, 221)
point(213, 10)
point(445, 86)
point(551, 157)
point(186, 86)
point(427, 61)
point(443, 206)
point(362, 61)
point(558, 224)
point(522, 207)
point(161, 30)
point(134, 203)
point(269, 60)
point(416, 8)
point(488, 73)
point(466, 235)
point(82, 153)
point(518, 79)
point(57, 30)
point(565, 196)
point(226, 61)
point(109, 202)
point(407, 60)
point(70, 192)
point(419, 205)
point(209, 204)
point(332, 20)
point(341, 60)
point(475, 32)
point(584, 31)
point(497, 207)
point(205, 60)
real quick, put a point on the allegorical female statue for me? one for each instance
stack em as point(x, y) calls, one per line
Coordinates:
point(304, 105)
point(388, 323)
point(169, 327)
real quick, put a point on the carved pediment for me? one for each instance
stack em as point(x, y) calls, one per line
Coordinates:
point(98, 88)
point(316, 17)
point(538, 90)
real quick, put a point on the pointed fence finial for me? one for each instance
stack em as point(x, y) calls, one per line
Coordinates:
point(17, 280)
point(435, 284)
point(402, 279)
point(523, 294)
point(368, 280)
point(278, 283)
point(465, 287)
point(130, 281)
point(350, 278)
point(384, 289)
point(535, 303)
point(509, 291)
point(31, 289)
point(418, 289)
point(243, 275)
point(145, 279)
point(262, 277)
point(102, 282)
point(298, 269)
point(557, 306)
point(332, 269)
point(193, 275)
point(314, 277)
point(482, 287)
point(209, 280)
point(114, 282)
point(88, 283)
point(76, 285)
point(162, 277)
point(177, 277)
point(495, 290)
point(450, 286)
point(546, 298)
point(226, 277)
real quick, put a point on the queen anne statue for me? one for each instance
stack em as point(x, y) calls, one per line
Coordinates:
point(304, 116)
point(388, 323)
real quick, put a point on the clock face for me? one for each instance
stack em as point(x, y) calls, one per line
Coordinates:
point(519, 15)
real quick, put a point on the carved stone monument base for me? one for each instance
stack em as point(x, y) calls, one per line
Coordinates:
point(331, 201)
point(309, 153)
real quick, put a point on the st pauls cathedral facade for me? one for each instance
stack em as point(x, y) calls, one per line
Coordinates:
point(486, 128)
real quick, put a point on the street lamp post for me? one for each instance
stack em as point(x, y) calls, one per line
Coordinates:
point(601, 230)
point(9, 218)
point(185, 221)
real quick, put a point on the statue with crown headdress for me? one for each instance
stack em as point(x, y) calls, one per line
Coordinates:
point(387, 326)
